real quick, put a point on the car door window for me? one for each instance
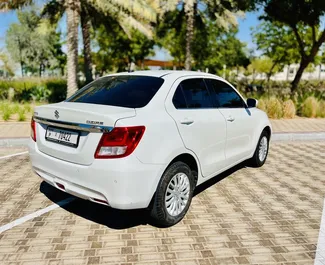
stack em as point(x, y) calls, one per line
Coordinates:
point(196, 94)
point(179, 99)
point(224, 95)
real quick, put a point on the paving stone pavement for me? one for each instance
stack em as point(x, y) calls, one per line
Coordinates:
point(14, 129)
point(269, 215)
point(5, 151)
point(22, 129)
point(320, 252)
point(298, 125)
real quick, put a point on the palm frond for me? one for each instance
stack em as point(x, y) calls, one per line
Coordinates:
point(227, 19)
point(145, 10)
point(137, 14)
point(129, 22)
point(168, 5)
point(6, 5)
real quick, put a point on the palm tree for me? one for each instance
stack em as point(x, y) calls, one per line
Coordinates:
point(129, 14)
point(224, 12)
point(189, 11)
point(72, 11)
point(85, 29)
point(54, 10)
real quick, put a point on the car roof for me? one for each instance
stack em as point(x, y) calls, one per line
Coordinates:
point(162, 73)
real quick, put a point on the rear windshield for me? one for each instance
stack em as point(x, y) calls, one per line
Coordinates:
point(120, 91)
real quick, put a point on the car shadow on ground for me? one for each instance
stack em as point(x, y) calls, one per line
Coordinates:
point(113, 218)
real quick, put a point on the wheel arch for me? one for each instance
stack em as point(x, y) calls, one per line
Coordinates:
point(268, 130)
point(188, 159)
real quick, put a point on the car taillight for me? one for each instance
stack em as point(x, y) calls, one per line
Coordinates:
point(120, 142)
point(33, 129)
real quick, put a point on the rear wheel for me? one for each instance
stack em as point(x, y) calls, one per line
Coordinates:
point(261, 151)
point(174, 194)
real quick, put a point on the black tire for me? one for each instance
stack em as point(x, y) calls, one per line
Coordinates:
point(159, 210)
point(255, 161)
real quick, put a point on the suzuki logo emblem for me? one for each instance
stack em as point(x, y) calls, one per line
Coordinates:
point(56, 114)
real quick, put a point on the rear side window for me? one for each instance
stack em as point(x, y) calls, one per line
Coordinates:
point(196, 94)
point(120, 91)
point(224, 95)
point(179, 99)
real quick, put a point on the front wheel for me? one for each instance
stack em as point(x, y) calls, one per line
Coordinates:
point(261, 151)
point(173, 195)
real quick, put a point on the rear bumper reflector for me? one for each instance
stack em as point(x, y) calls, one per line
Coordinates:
point(61, 186)
point(100, 201)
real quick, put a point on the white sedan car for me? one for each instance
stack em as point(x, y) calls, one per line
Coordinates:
point(147, 139)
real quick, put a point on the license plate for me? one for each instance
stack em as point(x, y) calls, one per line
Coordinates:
point(62, 136)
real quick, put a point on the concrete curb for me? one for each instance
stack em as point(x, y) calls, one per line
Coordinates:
point(315, 136)
point(276, 137)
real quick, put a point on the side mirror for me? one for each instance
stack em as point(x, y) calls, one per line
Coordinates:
point(252, 103)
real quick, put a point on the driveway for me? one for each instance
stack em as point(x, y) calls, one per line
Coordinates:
point(269, 215)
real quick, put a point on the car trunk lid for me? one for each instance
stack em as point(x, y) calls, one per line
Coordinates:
point(71, 131)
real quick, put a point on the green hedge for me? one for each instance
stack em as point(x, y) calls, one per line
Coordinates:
point(55, 90)
point(281, 89)
point(49, 89)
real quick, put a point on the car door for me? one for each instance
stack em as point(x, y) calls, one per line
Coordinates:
point(201, 125)
point(239, 120)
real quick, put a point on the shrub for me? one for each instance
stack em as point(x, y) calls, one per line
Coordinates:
point(28, 108)
point(3, 105)
point(15, 108)
point(40, 93)
point(310, 107)
point(321, 109)
point(274, 108)
point(26, 89)
point(289, 109)
point(21, 114)
point(262, 105)
point(58, 90)
point(6, 113)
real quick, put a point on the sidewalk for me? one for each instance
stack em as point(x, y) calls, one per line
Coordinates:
point(14, 130)
point(299, 125)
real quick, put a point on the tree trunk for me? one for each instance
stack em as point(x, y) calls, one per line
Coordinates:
point(189, 9)
point(303, 65)
point(22, 68)
point(306, 60)
point(269, 74)
point(85, 27)
point(72, 10)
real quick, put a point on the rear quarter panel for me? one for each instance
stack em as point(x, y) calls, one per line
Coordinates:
point(161, 141)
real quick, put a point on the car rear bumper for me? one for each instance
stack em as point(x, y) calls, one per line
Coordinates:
point(123, 183)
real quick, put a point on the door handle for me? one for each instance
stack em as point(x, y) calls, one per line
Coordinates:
point(231, 119)
point(186, 122)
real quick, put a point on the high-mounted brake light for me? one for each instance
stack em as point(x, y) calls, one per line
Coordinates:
point(120, 142)
point(33, 129)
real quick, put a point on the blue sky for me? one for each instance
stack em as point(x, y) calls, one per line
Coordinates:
point(244, 34)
